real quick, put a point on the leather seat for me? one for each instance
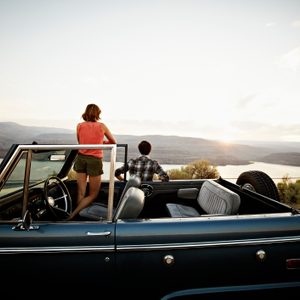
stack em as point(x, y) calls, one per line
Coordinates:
point(131, 204)
point(213, 199)
point(98, 211)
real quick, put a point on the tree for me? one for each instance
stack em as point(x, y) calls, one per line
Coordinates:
point(289, 192)
point(199, 169)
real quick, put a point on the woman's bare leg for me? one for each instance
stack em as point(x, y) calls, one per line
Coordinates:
point(94, 188)
point(81, 186)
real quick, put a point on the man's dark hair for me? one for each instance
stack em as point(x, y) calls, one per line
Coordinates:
point(144, 147)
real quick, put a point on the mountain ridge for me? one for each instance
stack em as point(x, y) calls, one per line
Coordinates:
point(167, 149)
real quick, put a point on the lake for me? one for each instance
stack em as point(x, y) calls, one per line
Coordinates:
point(231, 172)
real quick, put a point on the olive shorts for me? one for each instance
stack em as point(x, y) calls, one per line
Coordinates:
point(88, 164)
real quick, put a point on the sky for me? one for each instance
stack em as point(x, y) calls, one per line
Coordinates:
point(216, 69)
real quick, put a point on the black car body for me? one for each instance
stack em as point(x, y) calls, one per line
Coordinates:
point(146, 251)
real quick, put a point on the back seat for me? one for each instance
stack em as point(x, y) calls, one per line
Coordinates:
point(213, 199)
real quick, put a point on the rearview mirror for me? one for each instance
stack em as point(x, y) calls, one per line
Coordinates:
point(57, 157)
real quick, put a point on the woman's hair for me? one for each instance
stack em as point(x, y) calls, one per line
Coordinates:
point(92, 113)
point(144, 147)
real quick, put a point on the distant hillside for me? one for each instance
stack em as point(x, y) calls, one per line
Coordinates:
point(183, 150)
point(276, 146)
point(286, 158)
point(10, 131)
point(13, 133)
point(166, 149)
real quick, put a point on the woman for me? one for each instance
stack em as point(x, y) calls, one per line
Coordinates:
point(88, 163)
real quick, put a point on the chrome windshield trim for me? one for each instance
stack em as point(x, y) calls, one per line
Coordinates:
point(20, 250)
point(210, 244)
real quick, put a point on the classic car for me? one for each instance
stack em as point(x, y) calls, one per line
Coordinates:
point(182, 239)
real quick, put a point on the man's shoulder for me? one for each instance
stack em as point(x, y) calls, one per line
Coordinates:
point(154, 161)
point(132, 161)
point(149, 160)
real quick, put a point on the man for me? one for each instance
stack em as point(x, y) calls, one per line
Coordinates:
point(143, 166)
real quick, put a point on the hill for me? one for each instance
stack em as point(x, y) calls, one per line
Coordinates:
point(286, 158)
point(13, 133)
point(166, 149)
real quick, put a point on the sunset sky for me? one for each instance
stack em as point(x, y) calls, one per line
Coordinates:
point(215, 69)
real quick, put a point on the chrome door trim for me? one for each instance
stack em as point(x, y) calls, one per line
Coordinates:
point(210, 244)
point(66, 249)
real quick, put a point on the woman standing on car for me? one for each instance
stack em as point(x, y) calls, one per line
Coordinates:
point(88, 163)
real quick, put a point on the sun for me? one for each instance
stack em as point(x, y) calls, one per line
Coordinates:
point(226, 139)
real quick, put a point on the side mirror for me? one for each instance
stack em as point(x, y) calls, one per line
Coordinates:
point(57, 157)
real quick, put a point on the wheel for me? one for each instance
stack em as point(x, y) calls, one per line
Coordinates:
point(58, 199)
point(258, 182)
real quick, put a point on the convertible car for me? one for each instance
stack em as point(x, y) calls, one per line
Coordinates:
point(182, 239)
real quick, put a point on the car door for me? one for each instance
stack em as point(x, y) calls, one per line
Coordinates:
point(78, 252)
point(48, 250)
point(200, 254)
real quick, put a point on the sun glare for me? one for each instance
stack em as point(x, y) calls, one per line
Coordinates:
point(226, 140)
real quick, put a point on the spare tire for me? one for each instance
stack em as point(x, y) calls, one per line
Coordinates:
point(258, 182)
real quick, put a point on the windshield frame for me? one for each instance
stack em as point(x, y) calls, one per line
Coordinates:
point(11, 162)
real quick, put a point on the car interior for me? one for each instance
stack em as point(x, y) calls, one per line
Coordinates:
point(54, 198)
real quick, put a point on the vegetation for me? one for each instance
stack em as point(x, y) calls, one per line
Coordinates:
point(198, 169)
point(289, 191)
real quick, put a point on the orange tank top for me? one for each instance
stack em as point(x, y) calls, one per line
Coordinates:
point(90, 133)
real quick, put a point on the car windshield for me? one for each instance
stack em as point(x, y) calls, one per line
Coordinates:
point(43, 165)
point(27, 166)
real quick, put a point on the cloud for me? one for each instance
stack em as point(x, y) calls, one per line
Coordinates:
point(246, 100)
point(296, 23)
point(267, 132)
point(234, 130)
point(271, 24)
point(291, 59)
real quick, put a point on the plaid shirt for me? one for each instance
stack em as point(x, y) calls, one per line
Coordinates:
point(144, 167)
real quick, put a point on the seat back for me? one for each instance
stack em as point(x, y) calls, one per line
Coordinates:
point(133, 180)
point(214, 198)
point(98, 211)
point(131, 205)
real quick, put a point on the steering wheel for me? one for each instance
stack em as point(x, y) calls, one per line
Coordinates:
point(58, 199)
